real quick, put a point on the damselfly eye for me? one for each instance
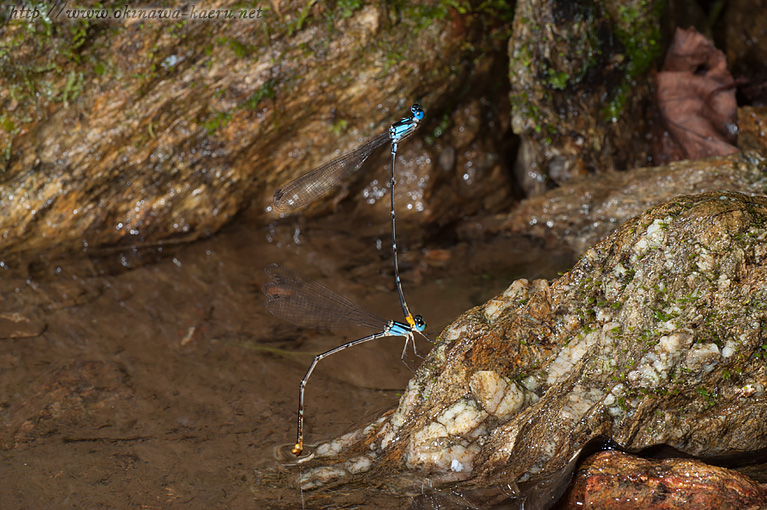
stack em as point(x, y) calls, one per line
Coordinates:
point(420, 324)
point(417, 111)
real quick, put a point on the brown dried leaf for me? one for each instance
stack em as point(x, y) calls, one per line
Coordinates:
point(696, 97)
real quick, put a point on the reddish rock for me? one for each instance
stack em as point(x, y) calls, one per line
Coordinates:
point(618, 481)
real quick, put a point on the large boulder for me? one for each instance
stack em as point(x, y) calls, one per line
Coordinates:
point(654, 337)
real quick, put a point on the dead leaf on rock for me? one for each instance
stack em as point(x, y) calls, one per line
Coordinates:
point(696, 97)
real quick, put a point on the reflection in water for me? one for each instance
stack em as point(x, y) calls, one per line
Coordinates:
point(165, 361)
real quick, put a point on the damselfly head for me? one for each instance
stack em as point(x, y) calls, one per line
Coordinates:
point(420, 324)
point(417, 111)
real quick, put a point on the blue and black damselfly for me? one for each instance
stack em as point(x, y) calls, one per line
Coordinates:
point(321, 181)
point(299, 299)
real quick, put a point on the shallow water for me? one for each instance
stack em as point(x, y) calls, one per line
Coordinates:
point(160, 380)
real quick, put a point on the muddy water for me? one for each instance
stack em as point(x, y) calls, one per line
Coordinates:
point(157, 379)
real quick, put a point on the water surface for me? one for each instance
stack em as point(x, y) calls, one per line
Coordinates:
point(160, 380)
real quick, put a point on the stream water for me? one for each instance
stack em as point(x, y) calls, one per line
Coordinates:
point(157, 379)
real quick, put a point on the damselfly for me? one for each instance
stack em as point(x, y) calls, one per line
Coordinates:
point(299, 299)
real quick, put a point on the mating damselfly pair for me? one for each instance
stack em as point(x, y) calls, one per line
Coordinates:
point(298, 299)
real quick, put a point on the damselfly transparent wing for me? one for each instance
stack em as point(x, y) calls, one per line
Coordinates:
point(321, 181)
point(302, 301)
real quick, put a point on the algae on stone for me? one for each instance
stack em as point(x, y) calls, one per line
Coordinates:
point(654, 337)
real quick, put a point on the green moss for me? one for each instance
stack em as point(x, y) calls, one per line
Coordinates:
point(708, 395)
point(522, 56)
point(298, 23)
point(265, 91)
point(339, 126)
point(557, 80)
point(218, 120)
point(663, 316)
point(499, 10)
point(441, 128)
point(8, 125)
point(37, 58)
point(99, 68)
point(638, 30)
point(240, 50)
point(348, 7)
point(73, 86)
point(614, 107)
point(76, 37)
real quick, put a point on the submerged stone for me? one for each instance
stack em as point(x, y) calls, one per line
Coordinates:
point(655, 337)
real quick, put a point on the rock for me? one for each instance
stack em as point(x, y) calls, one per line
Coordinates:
point(16, 325)
point(744, 22)
point(655, 337)
point(619, 481)
point(144, 133)
point(580, 87)
point(81, 394)
point(583, 212)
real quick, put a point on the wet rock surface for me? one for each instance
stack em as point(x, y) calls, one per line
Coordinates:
point(744, 22)
point(16, 325)
point(144, 132)
point(580, 87)
point(583, 212)
point(621, 481)
point(654, 337)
